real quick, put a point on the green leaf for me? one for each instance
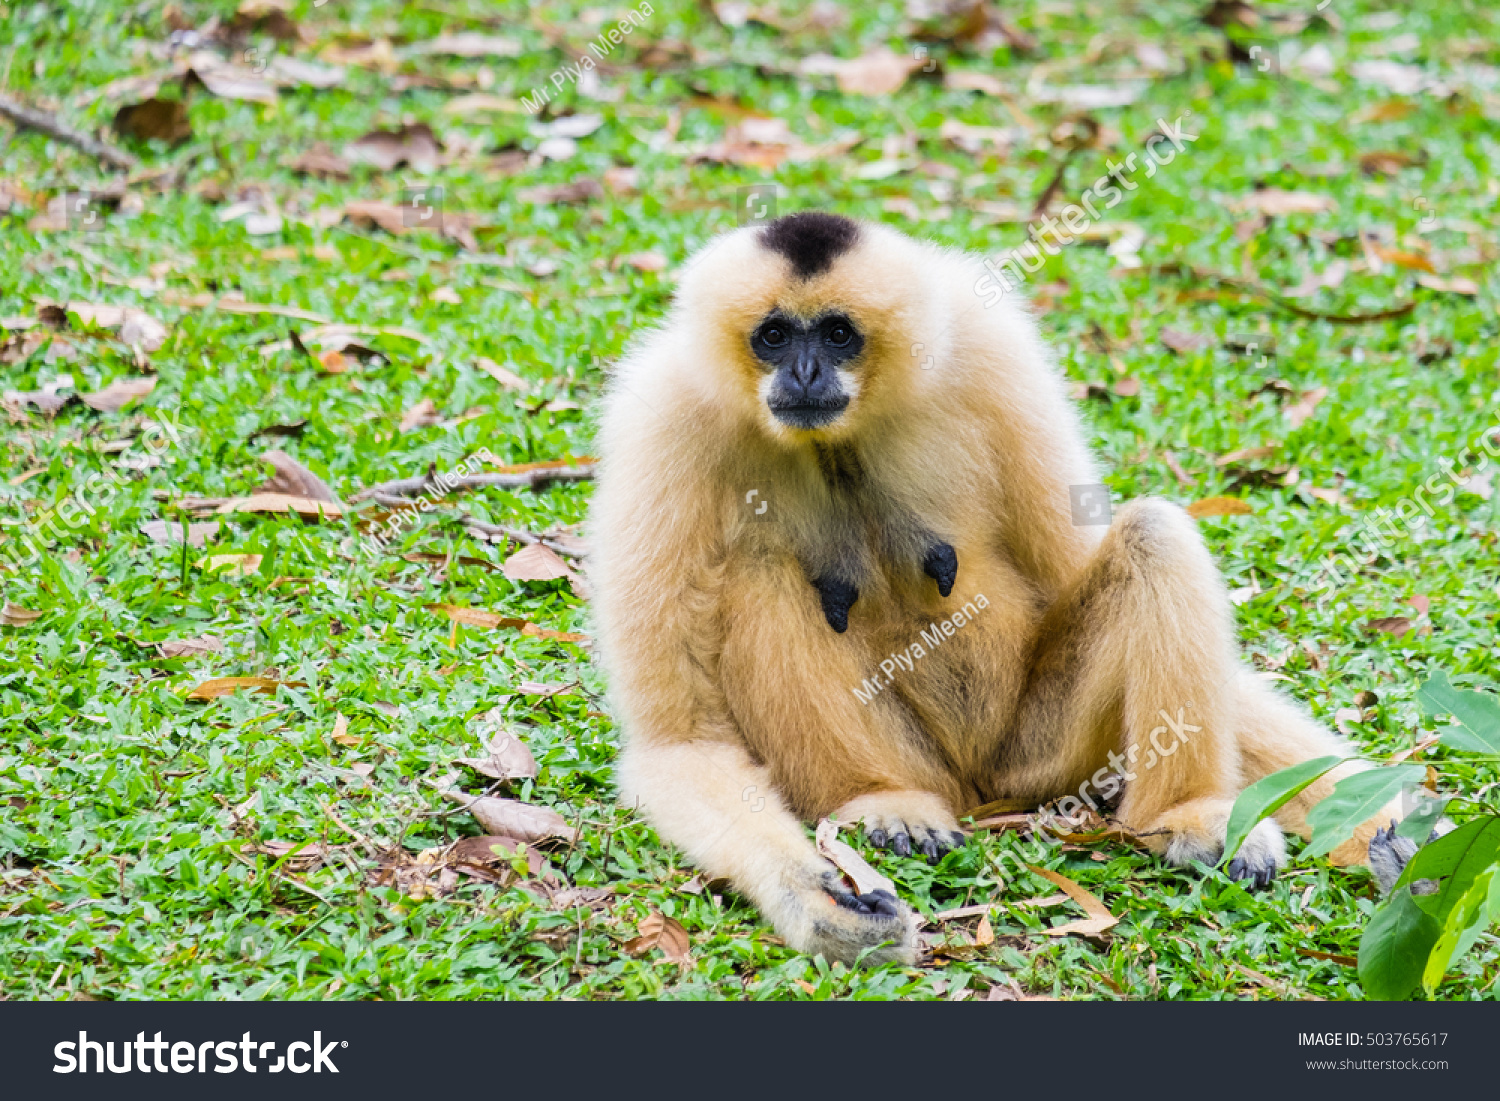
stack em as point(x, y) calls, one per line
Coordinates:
point(1456, 859)
point(1469, 917)
point(1418, 825)
point(1395, 948)
point(1479, 712)
point(1268, 795)
point(1354, 800)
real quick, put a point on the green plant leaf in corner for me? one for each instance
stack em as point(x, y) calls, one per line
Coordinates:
point(1457, 859)
point(1268, 795)
point(1470, 916)
point(1479, 712)
point(1354, 800)
point(1394, 949)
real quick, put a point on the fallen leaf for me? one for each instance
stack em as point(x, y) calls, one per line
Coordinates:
point(847, 860)
point(308, 507)
point(341, 733)
point(1219, 506)
point(1127, 387)
point(646, 261)
point(1303, 407)
point(189, 647)
point(581, 190)
point(119, 394)
point(659, 931)
point(546, 691)
point(512, 818)
point(13, 615)
point(320, 161)
point(984, 933)
point(1184, 343)
point(1245, 454)
point(1385, 162)
point(506, 378)
point(1332, 957)
point(506, 756)
point(222, 686)
point(464, 44)
point(421, 415)
point(294, 479)
point(1274, 200)
point(163, 531)
point(415, 145)
point(536, 563)
point(1420, 603)
point(472, 617)
point(154, 119)
point(878, 73)
point(1456, 284)
point(1099, 918)
point(1395, 626)
point(293, 72)
point(242, 564)
point(226, 81)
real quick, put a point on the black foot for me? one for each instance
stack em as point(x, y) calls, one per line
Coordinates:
point(837, 596)
point(941, 564)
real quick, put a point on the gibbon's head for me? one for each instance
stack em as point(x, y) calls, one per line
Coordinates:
point(808, 320)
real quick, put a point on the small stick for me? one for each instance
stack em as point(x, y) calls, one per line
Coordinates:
point(526, 479)
point(31, 119)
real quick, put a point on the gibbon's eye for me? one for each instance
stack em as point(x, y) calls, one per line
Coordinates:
point(773, 336)
point(839, 336)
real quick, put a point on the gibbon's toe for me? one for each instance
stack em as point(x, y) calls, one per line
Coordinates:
point(1389, 854)
point(906, 828)
point(1263, 852)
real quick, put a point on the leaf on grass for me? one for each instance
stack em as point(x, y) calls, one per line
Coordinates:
point(536, 562)
point(154, 119)
point(1274, 200)
point(13, 615)
point(1396, 625)
point(226, 81)
point(1456, 284)
point(294, 479)
point(119, 394)
point(506, 756)
point(1355, 800)
point(242, 564)
point(222, 686)
point(421, 415)
point(467, 44)
point(581, 190)
point(1303, 407)
point(546, 691)
point(189, 647)
point(508, 379)
point(512, 818)
point(165, 531)
point(659, 931)
point(1477, 712)
point(307, 507)
point(878, 73)
point(1219, 506)
point(319, 160)
point(415, 145)
point(472, 617)
point(1268, 795)
point(854, 866)
point(1244, 455)
point(1185, 343)
point(1099, 918)
point(341, 733)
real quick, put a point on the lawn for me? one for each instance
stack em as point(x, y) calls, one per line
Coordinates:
point(1297, 312)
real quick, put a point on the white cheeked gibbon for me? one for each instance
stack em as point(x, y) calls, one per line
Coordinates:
point(824, 454)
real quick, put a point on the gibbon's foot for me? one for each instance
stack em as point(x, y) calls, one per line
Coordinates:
point(1258, 859)
point(837, 597)
point(843, 926)
point(905, 822)
point(1389, 855)
point(941, 564)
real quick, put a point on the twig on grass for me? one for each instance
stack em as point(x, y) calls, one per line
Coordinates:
point(30, 118)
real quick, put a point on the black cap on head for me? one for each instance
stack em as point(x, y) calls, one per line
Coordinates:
point(811, 240)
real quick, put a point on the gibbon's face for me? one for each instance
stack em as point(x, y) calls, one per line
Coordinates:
point(805, 319)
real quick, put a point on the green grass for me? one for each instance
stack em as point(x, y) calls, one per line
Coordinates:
point(122, 870)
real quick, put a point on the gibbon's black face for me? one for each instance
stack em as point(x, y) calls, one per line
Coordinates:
point(805, 390)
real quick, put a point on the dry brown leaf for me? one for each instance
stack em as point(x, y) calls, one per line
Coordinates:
point(189, 647)
point(984, 933)
point(646, 261)
point(119, 394)
point(536, 562)
point(222, 686)
point(341, 733)
point(581, 190)
point(1245, 455)
point(1385, 162)
point(854, 866)
point(465, 44)
point(162, 531)
point(1184, 343)
point(473, 617)
point(415, 145)
point(878, 73)
point(1303, 407)
point(242, 564)
point(1456, 284)
point(1274, 200)
point(1396, 626)
point(1219, 506)
point(512, 818)
point(659, 931)
point(507, 379)
point(1420, 603)
point(226, 81)
point(320, 160)
point(13, 615)
point(307, 507)
point(536, 688)
point(506, 756)
point(154, 119)
point(421, 415)
point(1099, 918)
point(1127, 387)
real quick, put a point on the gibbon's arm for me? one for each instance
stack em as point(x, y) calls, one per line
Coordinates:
point(657, 565)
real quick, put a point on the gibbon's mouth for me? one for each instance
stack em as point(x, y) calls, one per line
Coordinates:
point(809, 414)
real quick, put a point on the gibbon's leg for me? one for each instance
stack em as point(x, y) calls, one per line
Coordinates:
point(1135, 665)
point(711, 800)
point(1275, 734)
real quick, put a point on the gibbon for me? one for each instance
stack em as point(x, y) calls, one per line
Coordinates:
point(832, 454)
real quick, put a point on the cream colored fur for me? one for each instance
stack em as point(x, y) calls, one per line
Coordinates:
point(735, 696)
